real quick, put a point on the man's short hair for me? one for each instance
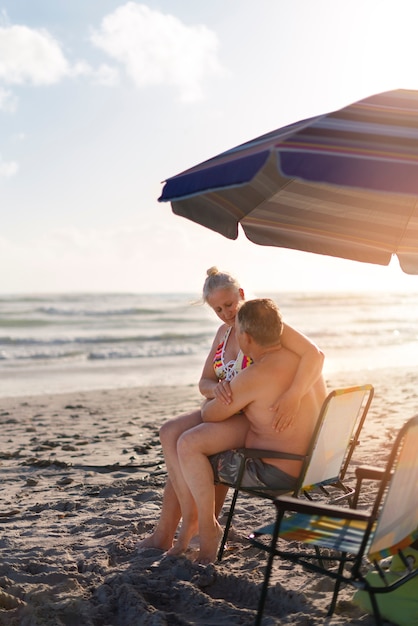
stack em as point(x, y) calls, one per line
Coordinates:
point(261, 319)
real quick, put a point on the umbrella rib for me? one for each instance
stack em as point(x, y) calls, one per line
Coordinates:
point(405, 228)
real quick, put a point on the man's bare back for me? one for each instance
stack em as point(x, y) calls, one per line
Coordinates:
point(264, 377)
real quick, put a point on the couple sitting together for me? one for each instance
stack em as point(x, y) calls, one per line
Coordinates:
point(263, 388)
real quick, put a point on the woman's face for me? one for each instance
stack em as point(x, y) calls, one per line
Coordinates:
point(225, 303)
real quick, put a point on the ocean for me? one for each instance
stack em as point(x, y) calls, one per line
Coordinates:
point(72, 342)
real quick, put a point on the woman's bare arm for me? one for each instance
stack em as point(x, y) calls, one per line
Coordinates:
point(308, 372)
point(209, 386)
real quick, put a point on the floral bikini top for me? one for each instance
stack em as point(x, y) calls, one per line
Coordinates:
point(227, 371)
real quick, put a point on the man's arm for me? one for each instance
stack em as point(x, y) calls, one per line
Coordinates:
point(242, 389)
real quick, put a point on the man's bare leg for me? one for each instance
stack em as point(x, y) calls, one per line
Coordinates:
point(194, 447)
point(163, 534)
point(190, 524)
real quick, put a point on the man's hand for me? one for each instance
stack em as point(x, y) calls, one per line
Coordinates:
point(284, 408)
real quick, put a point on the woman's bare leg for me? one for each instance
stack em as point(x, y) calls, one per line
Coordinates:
point(220, 495)
point(194, 447)
point(169, 438)
point(163, 534)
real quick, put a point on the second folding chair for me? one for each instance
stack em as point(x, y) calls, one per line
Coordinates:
point(353, 536)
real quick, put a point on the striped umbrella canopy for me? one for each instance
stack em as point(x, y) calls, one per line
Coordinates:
point(343, 184)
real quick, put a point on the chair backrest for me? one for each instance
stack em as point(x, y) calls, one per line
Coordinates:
point(397, 525)
point(338, 428)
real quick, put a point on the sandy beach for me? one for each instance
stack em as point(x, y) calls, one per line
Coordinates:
point(82, 481)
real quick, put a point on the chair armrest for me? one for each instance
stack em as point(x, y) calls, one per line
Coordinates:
point(369, 472)
point(366, 472)
point(309, 507)
point(255, 453)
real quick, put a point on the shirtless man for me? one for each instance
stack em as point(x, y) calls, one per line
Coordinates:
point(259, 327)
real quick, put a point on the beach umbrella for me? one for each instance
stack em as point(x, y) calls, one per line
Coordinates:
point(342, 184)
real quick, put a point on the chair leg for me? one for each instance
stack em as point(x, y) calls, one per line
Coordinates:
point(267, 575)
point(227, 525)
point(319, 557)
point(337, 586)
point(232, 508)
point(375, 607)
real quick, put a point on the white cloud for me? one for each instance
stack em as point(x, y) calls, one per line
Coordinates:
point(8, 102)
point(8, 168)
point(107, 75)
point(81, 68)
point(34, 56)
point(158, 49)
point(28, 55)
point(103, 75)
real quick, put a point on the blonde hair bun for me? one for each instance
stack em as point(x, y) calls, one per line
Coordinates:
point(216, 279)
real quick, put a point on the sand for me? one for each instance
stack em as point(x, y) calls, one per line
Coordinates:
point(82, 480)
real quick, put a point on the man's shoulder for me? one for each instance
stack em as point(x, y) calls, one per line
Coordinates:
point(258, 371)
point(247, 378)
point(282, 361)
point(284, 355)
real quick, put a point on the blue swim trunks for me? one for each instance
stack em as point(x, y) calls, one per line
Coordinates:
point(257, 474)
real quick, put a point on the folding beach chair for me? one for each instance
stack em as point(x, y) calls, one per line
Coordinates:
point(354, 536)
point(326, 461)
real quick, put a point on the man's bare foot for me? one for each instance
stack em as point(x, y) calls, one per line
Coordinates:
point(209, 545)
point(156, 540)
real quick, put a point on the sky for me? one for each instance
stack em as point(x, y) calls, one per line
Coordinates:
point(102, 100)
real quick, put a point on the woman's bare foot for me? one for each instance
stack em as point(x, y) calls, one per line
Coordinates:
point(209, 545)
point(157, 540)
point(186, 534)
point(178, 549)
